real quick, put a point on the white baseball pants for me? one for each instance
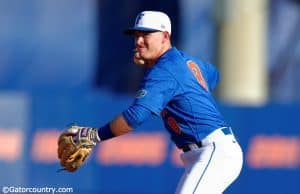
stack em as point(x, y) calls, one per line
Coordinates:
point(211, 168)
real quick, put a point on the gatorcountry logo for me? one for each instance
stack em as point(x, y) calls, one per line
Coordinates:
point(141, 93)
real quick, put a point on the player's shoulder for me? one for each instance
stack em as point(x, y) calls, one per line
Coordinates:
point(157, 71)
point(165, 62)
point(202, 63)
point(188, 57)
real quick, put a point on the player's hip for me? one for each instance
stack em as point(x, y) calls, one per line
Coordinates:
point(216, 163)
point(222, 135)
point(225, 148)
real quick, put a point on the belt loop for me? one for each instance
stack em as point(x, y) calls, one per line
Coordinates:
point(226, 130)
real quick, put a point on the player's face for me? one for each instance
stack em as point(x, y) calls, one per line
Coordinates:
point(150, 45)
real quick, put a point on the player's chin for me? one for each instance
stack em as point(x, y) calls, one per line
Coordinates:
point(144, 53)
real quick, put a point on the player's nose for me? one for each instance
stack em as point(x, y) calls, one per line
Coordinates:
point(139, 41)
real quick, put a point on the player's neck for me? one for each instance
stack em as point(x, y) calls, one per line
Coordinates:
point(164, 49)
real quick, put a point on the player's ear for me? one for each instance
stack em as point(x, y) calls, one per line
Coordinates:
point(166, 36)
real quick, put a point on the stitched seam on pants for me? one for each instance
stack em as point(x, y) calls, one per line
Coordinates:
point(212, 153)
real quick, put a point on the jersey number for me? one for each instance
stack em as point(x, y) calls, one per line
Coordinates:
point(171, 121)
point(197, 73)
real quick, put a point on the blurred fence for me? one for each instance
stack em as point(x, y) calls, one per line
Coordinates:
point(144, 161)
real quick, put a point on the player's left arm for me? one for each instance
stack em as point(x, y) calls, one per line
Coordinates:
point(154, 95)
point(118, 126)
point(76, 143)
point(125, 122)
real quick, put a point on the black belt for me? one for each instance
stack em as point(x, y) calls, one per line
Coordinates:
point(191, 146)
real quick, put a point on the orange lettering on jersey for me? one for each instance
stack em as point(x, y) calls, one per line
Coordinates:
point(174, 125)
point(164, 113)
point(197, 73)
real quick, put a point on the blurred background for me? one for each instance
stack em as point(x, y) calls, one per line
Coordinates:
point(65, 61)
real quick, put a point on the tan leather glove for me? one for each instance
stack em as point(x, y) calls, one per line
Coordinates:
point(74, 145)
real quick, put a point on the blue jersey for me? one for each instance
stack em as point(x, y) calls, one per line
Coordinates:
point(178, 88)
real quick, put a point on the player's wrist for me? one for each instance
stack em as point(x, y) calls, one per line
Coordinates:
point(104, 133)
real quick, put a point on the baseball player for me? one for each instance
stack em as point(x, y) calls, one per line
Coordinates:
point(177, 87)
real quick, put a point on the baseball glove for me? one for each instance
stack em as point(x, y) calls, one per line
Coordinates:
point(74, 145)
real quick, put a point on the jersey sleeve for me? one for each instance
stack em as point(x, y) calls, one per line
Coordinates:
point(135, 115)
point(157, 89)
